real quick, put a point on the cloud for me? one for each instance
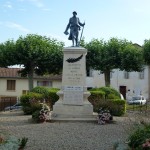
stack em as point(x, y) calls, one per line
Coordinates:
point(8, 5)
point(138, 6)
point(60, 38)
point(17, 26)
point(46, 9)
point(37, 3)
point(142, 11)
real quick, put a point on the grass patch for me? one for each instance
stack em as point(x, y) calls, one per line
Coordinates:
point(138, 107)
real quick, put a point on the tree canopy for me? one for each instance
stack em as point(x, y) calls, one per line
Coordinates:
point(38, 54)
point(7, 53)
point(113, 54)
point(146, 50)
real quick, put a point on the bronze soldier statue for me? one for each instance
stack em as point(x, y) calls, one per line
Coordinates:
point(74, 25)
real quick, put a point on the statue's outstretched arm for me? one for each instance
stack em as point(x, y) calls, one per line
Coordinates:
point(81, 24)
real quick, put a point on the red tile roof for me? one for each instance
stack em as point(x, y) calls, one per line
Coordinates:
point(13, 73)
point(9, 72)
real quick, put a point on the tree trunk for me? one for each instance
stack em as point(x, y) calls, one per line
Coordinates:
point(30, 78)
point(107, 78)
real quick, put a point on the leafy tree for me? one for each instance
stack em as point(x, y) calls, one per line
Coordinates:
point(131, 58)
point(113, 54)
point(146, 50)
point(7, 53)
point(38, 54)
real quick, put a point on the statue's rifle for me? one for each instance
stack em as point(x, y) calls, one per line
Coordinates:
point(81, 35)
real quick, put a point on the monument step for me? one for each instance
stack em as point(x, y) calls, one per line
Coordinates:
point(74, 118)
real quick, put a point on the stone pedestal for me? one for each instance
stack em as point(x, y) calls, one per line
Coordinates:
point(73, 102)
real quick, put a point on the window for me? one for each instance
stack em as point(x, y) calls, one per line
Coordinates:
point(141, 74)
point(89, 73)
point(126, 75)
point(44, 83)
point(11, 84)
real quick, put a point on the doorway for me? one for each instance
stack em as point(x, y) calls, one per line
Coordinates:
point(122, 90)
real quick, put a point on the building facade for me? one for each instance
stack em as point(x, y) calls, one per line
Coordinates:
point(13, 85)
point(128, 83)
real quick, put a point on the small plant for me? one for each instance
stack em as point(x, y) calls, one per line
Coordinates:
point(13, 143)
point(104, 116)
point(22, 142)
point(140, 138)
point(43, 114)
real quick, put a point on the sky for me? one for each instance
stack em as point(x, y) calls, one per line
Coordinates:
point(104, 19)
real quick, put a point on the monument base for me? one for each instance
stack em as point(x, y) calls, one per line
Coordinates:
point(73, 101)
point(62, 112)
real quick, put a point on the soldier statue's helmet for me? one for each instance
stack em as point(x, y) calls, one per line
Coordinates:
point(75, 12)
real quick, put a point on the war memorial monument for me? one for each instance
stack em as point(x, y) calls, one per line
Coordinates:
point(73, 101)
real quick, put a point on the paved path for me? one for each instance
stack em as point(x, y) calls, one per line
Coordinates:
point(65, 135)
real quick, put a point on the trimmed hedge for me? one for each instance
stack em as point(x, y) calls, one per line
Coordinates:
point(94, 99)
point(116, 106)
point(53, 97)
point(109, 92)
point(29, 100)
point(25, 99)
point(41, 90)
point(49, 94)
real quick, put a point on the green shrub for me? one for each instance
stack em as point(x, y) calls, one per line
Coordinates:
point(109, 92)
point(95, 98)
point(113, 96)
point(35, 115)
point(41, 113)
point(27, 110)
point(53, 97)
point(23, 141)
point(36, 106)
point(13, 143)
point(49, 94)
point(25, 99)
point(117, 107)
point(139, 137)
point(107, 98)
point(28, 100)
point(41, 90)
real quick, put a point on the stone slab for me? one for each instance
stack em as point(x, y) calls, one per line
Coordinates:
point(73, 95)
point(74, 66)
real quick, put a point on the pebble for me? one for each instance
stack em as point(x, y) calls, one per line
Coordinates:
point(64, 135)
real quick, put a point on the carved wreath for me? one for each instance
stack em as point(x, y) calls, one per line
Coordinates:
point(73, 60)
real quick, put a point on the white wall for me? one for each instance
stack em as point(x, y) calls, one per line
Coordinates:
point(21, 84)
point(134, 83)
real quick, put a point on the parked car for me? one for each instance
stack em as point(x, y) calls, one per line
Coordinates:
point(141, 100)
point(17, 106)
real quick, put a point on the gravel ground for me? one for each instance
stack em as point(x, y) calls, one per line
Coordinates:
point(65, 135)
